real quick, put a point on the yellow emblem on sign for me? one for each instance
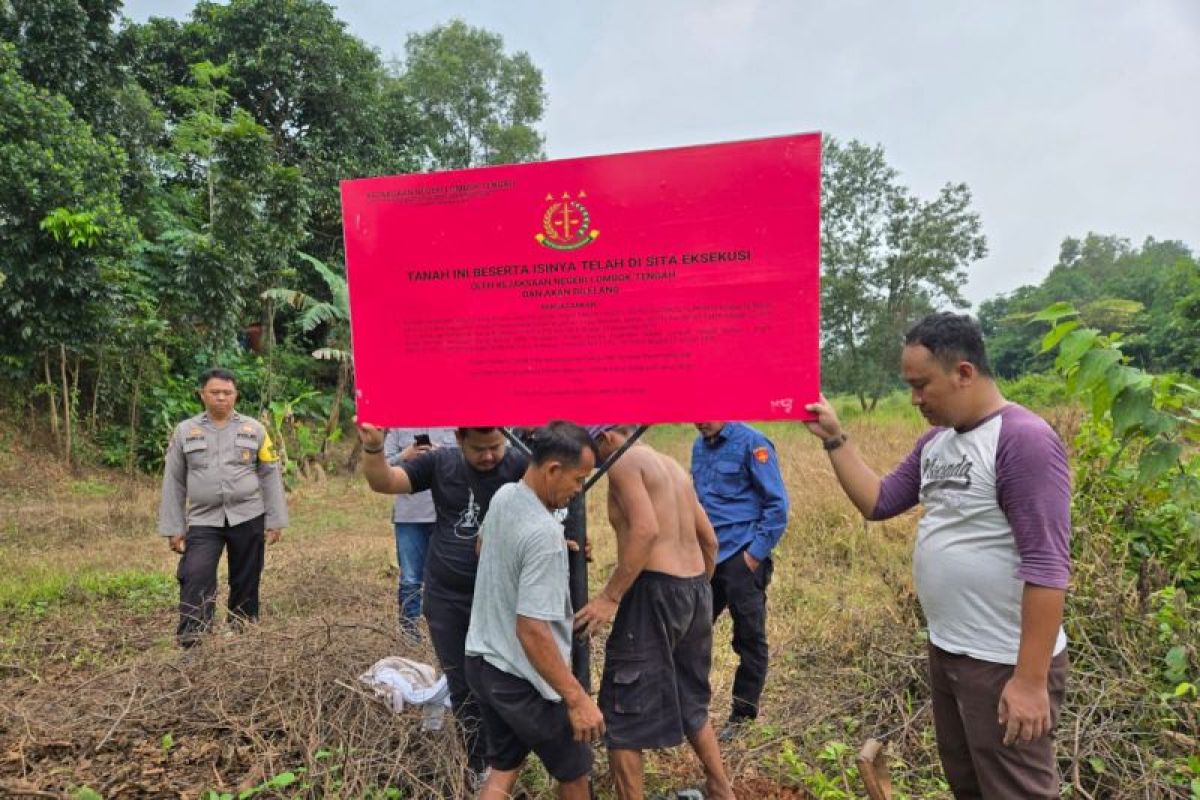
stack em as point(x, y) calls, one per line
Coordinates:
point(566, 224)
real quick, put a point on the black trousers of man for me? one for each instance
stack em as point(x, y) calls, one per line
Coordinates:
point(448, 614)
point(197, 575)
point(744, 593)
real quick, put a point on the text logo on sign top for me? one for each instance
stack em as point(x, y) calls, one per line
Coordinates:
point(567, 224)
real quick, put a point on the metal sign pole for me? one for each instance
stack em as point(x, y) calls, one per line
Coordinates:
point(575, 530)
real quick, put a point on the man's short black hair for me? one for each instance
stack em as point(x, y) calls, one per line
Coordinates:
point(559, 440)
point(219, 373)
point(462, 432)
point(951, 338)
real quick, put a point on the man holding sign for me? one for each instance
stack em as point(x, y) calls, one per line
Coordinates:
point(463, 481)
point(991, 560)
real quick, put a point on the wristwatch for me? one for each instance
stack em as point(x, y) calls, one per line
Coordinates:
point(834, 442)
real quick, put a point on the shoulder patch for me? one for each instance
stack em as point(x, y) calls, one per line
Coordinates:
point(762, 455)
point(266, 453)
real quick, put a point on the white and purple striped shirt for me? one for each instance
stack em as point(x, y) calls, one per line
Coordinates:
point(997, 515)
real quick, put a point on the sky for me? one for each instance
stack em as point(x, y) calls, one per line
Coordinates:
point(1063, 118)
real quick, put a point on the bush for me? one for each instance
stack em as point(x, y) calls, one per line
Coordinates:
point(1037, 390)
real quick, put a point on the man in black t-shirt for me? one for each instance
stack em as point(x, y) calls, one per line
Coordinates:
point(462, 481)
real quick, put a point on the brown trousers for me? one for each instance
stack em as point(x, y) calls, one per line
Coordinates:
point(966, 698)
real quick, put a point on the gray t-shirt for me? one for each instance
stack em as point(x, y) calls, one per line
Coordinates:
point(522, 571)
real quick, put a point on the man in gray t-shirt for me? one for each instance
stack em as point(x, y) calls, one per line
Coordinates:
point(518, 645)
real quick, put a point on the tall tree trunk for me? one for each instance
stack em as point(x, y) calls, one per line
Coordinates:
point(62, 368)
point(268, 323)
point(131, 450)
point(355, 455)
point(862, 400)
point(53, 400)
point(73, 407)
point(335, 409)
point(96, 393)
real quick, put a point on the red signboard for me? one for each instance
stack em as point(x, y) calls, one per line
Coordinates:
point(672, 285)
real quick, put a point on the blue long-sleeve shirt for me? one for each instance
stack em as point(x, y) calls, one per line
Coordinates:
point(737, 478)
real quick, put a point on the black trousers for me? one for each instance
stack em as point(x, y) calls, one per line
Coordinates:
point(197, 575)
point(744, 593)
point(448, 614)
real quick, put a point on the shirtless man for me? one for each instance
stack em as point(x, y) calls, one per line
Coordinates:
point(655, 691)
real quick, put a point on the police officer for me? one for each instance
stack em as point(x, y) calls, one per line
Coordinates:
point(736, 473)
point(221, 467)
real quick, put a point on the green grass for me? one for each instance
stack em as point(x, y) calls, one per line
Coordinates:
point(36, 592)
point(90, 488)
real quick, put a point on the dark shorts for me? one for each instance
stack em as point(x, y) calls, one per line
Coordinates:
point(517, 720)
point(655, 690)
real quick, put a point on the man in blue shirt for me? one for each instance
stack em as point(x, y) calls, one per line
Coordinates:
point(737, 479)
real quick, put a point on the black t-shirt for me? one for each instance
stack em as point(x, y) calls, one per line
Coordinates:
point(461, 496)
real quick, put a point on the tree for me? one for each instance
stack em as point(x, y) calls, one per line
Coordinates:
point(476, 104)
point(333, 313)
point(63, 225)
point(321, 95)
point(1137, 292)
point(888, 258)
point(64, 233)
point(67, 47)
point(238, 220)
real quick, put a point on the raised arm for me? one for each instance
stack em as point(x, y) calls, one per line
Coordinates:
point(380, 476)
point(859, 481)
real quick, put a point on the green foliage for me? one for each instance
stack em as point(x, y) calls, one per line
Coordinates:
point(1150, 295)
point(888, 258)
point(68, 48)
point(1037, 390)
point(1138, 452)
point(80, 228)
point(65, 230)
point(161, 177)
point(37, 593)
point(334, 312)
point(477, 104)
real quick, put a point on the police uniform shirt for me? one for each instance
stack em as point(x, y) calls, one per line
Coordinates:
point(214, 475)
point(737, 479)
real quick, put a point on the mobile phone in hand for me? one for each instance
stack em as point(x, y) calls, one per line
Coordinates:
point(422, 440)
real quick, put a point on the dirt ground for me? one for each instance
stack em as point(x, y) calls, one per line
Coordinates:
point(95, 697)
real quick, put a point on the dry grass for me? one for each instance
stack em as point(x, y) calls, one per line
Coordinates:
point(93, 682)
point(90, 682)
